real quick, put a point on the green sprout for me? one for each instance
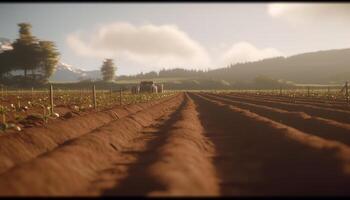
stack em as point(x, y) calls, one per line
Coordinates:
point(4, 124)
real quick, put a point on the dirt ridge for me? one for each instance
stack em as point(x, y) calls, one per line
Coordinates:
point(315, 125)
point(72, 166)
point(258, 156)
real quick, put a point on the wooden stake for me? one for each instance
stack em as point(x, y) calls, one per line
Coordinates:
point(94, 96)
point(328, 93)
point(347, 92)
point(51, 99)
point(111, 94)
point(32, 93)
point(280, 91)
point(120, 96)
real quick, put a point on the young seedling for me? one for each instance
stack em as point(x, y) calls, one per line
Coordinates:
point(4, 125)
point(45, 114)
point(18, 102)
point(3, 111)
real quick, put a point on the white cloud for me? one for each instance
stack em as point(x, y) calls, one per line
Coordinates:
point(244, 51)
point(310, 12)
point(152, 45)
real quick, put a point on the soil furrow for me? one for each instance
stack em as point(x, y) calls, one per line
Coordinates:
point(257, 156)
point(20, 147)
point(176, 163)
point(70, 168)
point(339, 101)
point(335, 114)
point(321, 127)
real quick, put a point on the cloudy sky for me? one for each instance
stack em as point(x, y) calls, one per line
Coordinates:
point(152, 36)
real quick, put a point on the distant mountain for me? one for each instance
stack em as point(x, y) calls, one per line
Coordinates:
point(4, 40)
point(69, 73)
point(322, 67)
point(5, 44)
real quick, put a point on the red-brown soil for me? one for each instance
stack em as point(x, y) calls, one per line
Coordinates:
point(189, 144)
point(316, 125)
point(335, 114)
point(23, 146)
point(258, 156)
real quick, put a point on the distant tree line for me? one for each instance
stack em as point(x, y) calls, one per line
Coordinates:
point(166, 73)
point(212, 79)
point(36, 58)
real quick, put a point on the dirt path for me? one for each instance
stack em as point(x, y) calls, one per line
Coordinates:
point(256, 156)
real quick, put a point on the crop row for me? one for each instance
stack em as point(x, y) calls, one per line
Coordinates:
point(20, 109)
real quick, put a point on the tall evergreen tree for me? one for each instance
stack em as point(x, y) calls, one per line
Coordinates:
point(108, 70)
point(26, 49)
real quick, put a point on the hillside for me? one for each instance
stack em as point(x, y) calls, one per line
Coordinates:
point(322, 67)
point(325, 67)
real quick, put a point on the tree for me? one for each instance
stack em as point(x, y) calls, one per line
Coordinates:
point(26, 49)
point(108, 70)
point(6, 62)
point(29, 53)
point(49, 57)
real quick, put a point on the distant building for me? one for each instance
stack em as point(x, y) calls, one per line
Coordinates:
point(160, 88)
point(147, 86)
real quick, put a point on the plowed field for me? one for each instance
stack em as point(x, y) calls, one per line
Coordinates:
point(188, 144)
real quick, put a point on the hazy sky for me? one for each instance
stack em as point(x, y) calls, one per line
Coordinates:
point(151, 36)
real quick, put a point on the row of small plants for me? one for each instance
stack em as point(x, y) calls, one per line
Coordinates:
point(29, 105)
point(322, 94)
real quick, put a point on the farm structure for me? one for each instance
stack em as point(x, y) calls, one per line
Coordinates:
point(147, 86)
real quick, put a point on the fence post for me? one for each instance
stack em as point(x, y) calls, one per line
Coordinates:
point(328, 93)
point(111, 95)
point(32, 93)
point(281, 91)
point(347, 92)
point(120, 96)
point(94, 96)
point(51, 99)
